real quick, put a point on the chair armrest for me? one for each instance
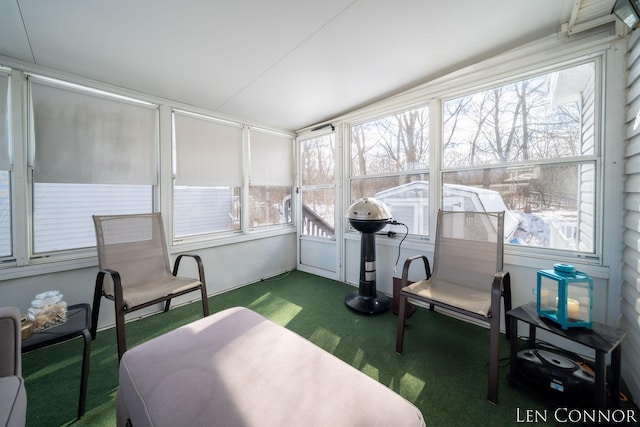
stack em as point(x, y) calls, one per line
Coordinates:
point(501, 287)
point(115, 277)
point(496, 285)
point(501, 280)
point(10, 342)
point(198, 261)
point(407, 264)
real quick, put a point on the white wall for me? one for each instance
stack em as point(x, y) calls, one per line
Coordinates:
point(226, 267)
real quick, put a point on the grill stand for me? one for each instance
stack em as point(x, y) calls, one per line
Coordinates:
point(366, 298)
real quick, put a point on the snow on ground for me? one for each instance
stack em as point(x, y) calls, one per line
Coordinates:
point(546, 229)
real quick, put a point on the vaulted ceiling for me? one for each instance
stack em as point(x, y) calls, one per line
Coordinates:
point(281, 63)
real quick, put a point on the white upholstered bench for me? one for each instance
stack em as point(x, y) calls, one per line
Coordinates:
point(237, 368)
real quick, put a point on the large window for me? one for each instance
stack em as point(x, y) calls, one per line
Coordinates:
point(208, 175)
point(271, 178)
point(527, 147)
point(92, 153)
point(390, 161)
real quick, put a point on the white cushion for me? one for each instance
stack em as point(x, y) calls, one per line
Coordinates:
point(237, 368)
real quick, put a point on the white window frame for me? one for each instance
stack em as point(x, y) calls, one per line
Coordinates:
point(349, 178)
point(218, 234)
point(598, 60)
point(7, 156)
point(251, 178)
point(63, 84)
point(534, 59)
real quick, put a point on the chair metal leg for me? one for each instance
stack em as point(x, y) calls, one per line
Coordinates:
point(86, 335)
point(401, 324)
point(121, 309)
point(494, 337)
point(494, 359)
point(120, 332)
point(205, 301)
point(95, 308)
point(506, 298)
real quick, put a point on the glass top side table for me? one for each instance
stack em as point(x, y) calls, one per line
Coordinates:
point(77, 325)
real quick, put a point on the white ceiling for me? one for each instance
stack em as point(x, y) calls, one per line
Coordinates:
point(283, 63)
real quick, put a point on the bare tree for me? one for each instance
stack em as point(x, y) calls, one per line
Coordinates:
point(394, 143)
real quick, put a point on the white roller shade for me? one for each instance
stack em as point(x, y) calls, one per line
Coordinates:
point(5, 160)
point(208, 151)
point(85, 136)
point(271, 159)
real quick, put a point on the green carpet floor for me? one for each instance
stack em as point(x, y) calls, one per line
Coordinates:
point(443, 370)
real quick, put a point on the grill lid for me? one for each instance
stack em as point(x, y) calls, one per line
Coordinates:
point(369, 209)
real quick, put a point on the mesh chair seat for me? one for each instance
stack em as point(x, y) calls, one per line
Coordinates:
point(475, 301)
point(158, 288)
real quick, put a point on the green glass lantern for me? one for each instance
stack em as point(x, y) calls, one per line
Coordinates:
point(565, 296)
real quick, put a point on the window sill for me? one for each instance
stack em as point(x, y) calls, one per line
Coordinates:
point(212, 242)
point(545, 262)
point(47, 266)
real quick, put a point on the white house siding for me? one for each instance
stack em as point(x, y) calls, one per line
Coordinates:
point(202, 210)
point(62, 212)
point(630, 290)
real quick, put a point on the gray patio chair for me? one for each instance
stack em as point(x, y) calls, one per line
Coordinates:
point(134, 269)
point(467, 277)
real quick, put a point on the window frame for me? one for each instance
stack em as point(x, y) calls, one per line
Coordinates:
point(252, 179)
point(246, 231)
point(428, 170)
point(215, 234)
point(435, 100)
point(598, 59)
point(77, 253)
point(6, 72)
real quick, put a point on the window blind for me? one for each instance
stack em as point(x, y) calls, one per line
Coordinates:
point(85, 136)
point(208, 151)
point(271, 159)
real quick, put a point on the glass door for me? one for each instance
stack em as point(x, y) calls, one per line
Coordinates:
point(317, 250)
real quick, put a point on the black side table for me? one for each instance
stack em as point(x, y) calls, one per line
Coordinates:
point(602, 338)
point(77, 325)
